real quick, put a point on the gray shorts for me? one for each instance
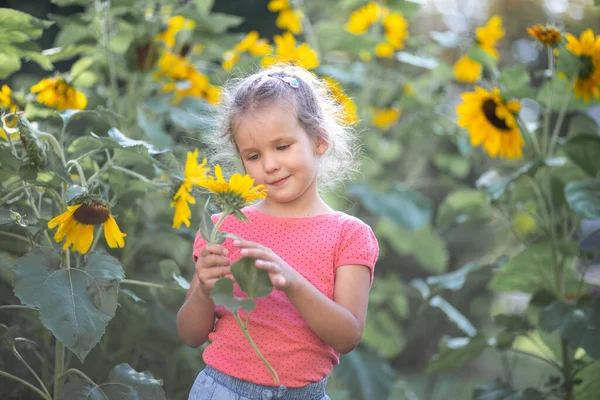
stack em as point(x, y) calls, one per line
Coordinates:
point(214, 385)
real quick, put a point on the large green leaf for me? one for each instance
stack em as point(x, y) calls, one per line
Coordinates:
point(8, 64)
point(516, 82)
point(454, 352)
point(494, 184)
point(425, 245)
point(222, 294)
point(499, 390)
point(560, 88)
point(530, 271)
point(584, 150)
point(584, 198)
point(579, 326)
point(8, 161)
point(589, 387)
point(148, 387)
point(207, 226)
point(76, 304)
point(405, 207)
point(255, 282)
point(366, 375)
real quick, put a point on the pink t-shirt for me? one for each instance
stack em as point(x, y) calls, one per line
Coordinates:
point(313, 246)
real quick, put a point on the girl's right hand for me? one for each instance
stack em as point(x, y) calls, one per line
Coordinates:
point(211, 265)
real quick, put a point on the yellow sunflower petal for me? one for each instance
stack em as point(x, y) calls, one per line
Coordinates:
point(112, 233)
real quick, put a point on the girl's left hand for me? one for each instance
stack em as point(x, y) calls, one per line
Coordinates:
point(281, 274)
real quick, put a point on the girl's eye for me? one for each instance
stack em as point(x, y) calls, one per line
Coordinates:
point(253, 157)
point(283, 147)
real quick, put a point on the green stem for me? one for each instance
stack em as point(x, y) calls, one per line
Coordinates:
point(567, 373)
point(137, 175)
point(534, 139)
point(59, 351)
point(561, 117)
point(79, 171)
point(15, 236)
point(35, 375)
point(103, 7)
point(76, 372)
point(37, 214)
point(247, 335)
point(149, 284)
point(55, 144)
point(545, 360)
point(24, 382)
point(548, 111)
point(17, 307)
point(213, 234)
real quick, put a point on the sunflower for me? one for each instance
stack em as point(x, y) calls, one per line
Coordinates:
point(348, 105)
point(395, 29)
point(252, 44)
point(6, 99)
point(56, 93)
point(467, 70)
point(587, 48)
point(194, 174)
point(384, 50)
point(361, 19)
point(488, 35)
point(491, 121)
point(287, 52)
point(385, 118)
point(76, 226)
point(233, 195)
point(545, 34)
point(176, 24)
point(288, 18)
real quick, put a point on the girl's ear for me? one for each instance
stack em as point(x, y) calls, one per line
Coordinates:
point(322, 143)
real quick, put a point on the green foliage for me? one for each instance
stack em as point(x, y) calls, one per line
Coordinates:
point(222, 294)
point(454, 352)
point(498, 390)
point(75, 304)
point(588, 388)
point(583, 150)
point(584, 198)
point(253, 281)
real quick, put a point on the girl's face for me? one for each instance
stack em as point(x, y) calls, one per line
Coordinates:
point(278, 153)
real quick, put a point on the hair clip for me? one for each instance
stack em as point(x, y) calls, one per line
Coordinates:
point(290, 80)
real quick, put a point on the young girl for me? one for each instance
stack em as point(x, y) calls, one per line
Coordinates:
point(286, 130)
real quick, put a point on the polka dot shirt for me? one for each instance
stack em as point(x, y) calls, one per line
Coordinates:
point(315, 247)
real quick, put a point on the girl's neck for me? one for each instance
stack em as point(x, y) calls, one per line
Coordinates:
point(285, 210)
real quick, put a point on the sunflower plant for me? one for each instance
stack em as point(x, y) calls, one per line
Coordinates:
point(547, 189)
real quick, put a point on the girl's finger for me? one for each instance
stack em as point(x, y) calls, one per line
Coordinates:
point(256, 253)
point(215, 272)
point(268, 266)
point(247, 244)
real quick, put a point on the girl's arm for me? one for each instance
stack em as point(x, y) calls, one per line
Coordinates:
point(196, 317)
point(339, 322)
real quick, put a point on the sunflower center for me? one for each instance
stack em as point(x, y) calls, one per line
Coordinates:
point(587, 67)
point(489, 110)
point(94, 213)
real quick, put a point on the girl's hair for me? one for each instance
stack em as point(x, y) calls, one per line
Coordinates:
point(313, 104)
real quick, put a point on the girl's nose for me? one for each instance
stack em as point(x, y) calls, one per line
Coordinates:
point(271, 163)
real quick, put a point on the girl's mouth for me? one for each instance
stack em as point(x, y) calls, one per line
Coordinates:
point(280, 182)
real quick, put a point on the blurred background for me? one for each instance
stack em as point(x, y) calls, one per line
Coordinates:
point(417, 188)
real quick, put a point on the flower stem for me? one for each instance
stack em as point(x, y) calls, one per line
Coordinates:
point(213, 234)
point(24, 382)
point(561, 117)
point(247, 335)
point(548, 111)
point(149, 284)
point(35, 375)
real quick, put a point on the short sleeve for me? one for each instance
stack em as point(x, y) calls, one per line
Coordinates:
point(358, 245)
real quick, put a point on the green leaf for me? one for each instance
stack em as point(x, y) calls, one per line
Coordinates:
point(463, 206)
point(76, 304)
point(583, 150)
point(253, 281)
point(168, 268)
point(153, 126)
point(332, 38)
point(73, 192)
point(516, 82)
point(366, 375)
point(425, 245)
point(454, 352)
point(530, 271)
point(457, 165)
point(8, 64)
point(147, 387)
point(495, 184)
point(215, 23)
point(204, 6)
point(589, 388)
point(20, 26)
point(499, 390)
point(566, 62)
point(476, 53)
point(579, 326)
point(560, 89)
point(55, 164)
point(8, 161)
point(405, 207)
point(584, 198)
point(77, 388)
point(454, 315)
point(582, 123)
point(222, 295)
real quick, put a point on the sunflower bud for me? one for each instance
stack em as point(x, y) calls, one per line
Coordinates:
point(36, 152)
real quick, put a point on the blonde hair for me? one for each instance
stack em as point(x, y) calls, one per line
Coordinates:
point(317, 111)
